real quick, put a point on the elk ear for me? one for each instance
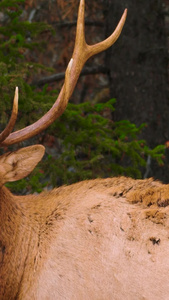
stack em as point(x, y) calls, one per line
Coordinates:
point(18, 164)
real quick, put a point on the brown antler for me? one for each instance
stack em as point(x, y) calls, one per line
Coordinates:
point(82, 52)
point(13, 118)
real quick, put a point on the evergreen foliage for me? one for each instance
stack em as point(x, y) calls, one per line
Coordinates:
point(16, 38)
point(92, 145)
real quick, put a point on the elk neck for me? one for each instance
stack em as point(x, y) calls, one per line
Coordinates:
point(18, 242)
point(27, 224)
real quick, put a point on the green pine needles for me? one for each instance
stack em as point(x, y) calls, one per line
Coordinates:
point(91, 146)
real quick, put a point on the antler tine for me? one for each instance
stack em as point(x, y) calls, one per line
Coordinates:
point(82, 51)
point(99, 47)
point(80, 27)
point(13, 118)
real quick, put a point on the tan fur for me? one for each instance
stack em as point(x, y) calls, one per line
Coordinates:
point(98, 239)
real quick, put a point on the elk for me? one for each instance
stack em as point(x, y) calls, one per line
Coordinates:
point(104, 239)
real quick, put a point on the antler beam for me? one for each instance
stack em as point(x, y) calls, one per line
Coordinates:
point(82, 52)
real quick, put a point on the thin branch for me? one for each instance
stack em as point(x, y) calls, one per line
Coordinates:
point(73, 23)
point(61, 76)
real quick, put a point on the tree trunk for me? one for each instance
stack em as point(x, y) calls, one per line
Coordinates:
point(138, 70)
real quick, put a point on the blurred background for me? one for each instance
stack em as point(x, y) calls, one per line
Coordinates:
point(117, 122)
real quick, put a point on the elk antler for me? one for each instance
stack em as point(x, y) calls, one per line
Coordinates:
point(82, 52)
point(13, 118)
